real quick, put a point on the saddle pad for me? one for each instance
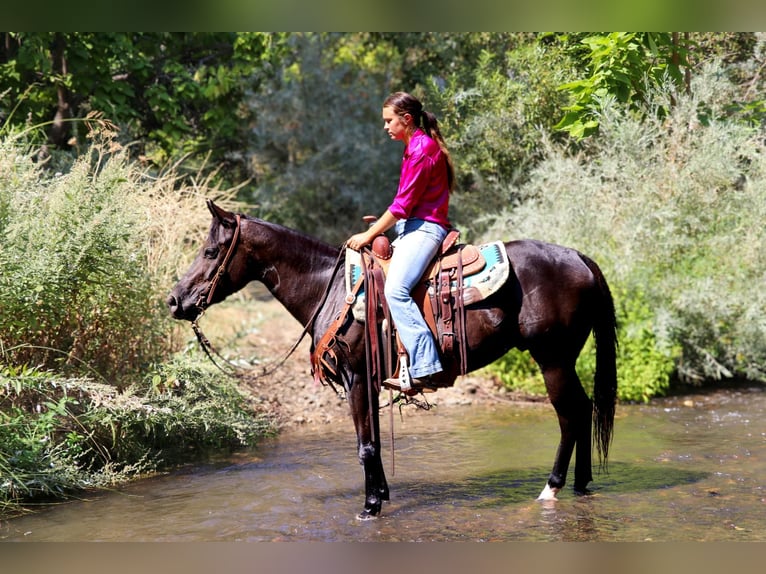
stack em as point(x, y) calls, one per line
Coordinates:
point(477, 286)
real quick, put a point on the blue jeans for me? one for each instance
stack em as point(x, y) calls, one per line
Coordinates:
point(414, 248)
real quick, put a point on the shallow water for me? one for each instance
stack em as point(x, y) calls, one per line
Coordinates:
point(681, 469)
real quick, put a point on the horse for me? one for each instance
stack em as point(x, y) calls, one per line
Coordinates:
point(552, 300)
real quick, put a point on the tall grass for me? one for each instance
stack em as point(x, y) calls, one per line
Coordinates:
point(673, 209)
point(62, 435)
point(89, 248)
point(87, 257)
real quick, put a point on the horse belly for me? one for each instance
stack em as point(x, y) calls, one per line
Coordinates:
point(489, 336)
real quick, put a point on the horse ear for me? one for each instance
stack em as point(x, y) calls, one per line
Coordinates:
point(224, 217)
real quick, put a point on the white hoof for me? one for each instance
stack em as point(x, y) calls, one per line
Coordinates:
point(548, 493)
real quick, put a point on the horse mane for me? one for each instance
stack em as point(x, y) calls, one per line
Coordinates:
point(311, 242)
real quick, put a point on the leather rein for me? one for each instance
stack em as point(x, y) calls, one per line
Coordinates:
point(204, 303)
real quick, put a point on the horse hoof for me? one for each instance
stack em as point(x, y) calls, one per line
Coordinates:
point(582, 491)
point(548, 493)
point(366, 515)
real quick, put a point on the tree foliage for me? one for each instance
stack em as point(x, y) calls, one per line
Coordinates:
point(626, 66)
point(620, 65)
point(170, 93)
point(497, 120)
point(672, 208)
point(320, 157)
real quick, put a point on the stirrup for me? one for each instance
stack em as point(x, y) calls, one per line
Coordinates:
point(405, 382)
point(395, 385)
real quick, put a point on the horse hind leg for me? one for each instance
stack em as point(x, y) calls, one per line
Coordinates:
point(574, 411)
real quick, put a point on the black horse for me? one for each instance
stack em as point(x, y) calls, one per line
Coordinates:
point(553, 299)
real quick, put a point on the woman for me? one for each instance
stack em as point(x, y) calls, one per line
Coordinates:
point(420, 213)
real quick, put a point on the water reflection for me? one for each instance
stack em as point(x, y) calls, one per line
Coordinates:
point(679, 472)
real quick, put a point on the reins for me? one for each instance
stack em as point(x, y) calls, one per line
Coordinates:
point(207, 346)
point(381, 365)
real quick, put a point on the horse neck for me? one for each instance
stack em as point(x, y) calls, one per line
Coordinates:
point(294, 267)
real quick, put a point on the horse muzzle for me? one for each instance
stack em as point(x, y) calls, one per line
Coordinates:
point(181, 311)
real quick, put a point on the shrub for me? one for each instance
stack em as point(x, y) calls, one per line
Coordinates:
point(59, 436)
point(74, 290)
point(88, 254)
point(672, 209)
point(645, 362)
point(495, 123)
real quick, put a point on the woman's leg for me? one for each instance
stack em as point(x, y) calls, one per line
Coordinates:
point(412, 253)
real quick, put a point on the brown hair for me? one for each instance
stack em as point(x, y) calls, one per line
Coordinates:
point(404, 103)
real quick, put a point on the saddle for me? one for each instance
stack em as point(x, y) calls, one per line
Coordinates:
point(459, 276)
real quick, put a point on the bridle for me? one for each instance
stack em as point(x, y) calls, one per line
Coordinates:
point(224, 264)
point(204, 302)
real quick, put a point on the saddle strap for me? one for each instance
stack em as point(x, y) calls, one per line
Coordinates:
point(460, 323)
point(373, 277)
point(447, 314)
point(444, 298)
point(325, 370)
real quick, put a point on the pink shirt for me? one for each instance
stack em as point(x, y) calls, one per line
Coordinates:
point(423, 185)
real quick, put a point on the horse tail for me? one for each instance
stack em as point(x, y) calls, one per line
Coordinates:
point(605, 379)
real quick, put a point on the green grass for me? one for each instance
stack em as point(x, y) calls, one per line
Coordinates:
point(60, 436)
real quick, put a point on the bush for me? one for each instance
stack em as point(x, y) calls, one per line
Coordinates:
point(88, 254)
point(320, 151)
point(59, 436)
point(518, 371)
point(645, 362)
point(89, 247)
point(672, 209)
point(495, 124)
point(46, 451)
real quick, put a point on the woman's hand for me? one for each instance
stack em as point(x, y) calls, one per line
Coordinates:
point(383, 224)
point(357, 241)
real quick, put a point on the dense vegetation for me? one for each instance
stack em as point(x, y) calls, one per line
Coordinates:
point(643, 150)
point(90, 393)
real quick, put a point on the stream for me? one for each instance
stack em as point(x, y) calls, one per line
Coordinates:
point(685, 468)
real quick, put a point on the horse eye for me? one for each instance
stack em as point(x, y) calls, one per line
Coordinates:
point(211, 253)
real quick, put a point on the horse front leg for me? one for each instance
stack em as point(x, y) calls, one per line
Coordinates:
point(364, 411)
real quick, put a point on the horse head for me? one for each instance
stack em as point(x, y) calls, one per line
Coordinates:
point(216, 272)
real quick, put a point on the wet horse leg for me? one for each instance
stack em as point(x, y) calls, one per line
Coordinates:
point(364, 411)
point(574, 410)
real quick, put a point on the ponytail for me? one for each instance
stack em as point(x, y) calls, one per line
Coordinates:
point(431, 127)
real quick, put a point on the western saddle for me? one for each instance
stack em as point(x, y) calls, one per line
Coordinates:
point(440, 296)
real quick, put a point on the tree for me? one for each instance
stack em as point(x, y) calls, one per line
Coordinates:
point(320, 153)
point(172, 93)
